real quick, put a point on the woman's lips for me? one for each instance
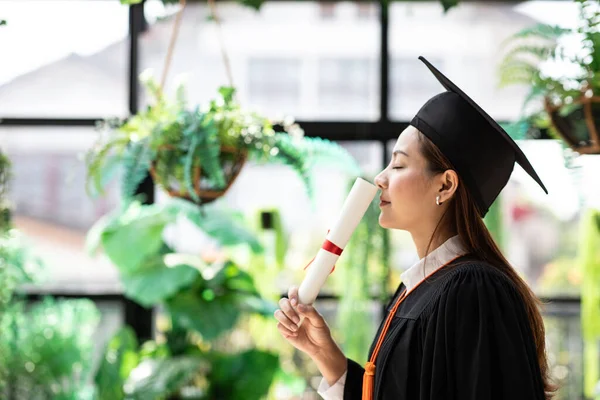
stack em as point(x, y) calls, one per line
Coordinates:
point(383, 203)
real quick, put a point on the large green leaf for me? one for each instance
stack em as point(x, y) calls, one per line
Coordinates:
point(93, 239)
point(206, 312)
point(159, 379)
point(136, 235)
point(255, 304)
point(120, 358)
point(226, 226)
point(245, 376)
point(233, 279)
point(156, 282)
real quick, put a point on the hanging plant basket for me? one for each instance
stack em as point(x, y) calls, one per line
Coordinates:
point(578, 123)
point(196, 153)
point(231, 159)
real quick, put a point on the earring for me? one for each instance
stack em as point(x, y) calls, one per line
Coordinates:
point(437, 201)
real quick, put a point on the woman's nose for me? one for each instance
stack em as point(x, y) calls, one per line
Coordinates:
point(381, 180)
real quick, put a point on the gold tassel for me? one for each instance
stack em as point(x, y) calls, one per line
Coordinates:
point(368, 381)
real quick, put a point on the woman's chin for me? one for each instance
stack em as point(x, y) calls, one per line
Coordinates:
point(384, 222)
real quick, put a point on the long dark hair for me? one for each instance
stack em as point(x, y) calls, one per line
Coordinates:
point(463, 216)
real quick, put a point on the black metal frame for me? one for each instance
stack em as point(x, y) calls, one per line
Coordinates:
point(383, 130)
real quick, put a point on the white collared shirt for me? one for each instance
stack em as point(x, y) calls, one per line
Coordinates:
point(445, 253)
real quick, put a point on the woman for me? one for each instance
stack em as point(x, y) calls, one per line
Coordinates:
point(462, 325)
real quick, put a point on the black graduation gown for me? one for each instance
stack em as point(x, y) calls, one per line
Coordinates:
point(461, 335)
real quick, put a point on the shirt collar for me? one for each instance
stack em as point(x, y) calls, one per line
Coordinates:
point(449, 250)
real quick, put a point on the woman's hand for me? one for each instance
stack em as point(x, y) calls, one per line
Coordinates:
point(313, 337)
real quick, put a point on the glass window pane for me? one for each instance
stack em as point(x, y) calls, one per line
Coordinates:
point(72, 64)
point(465, 44)
point(564, 346)
point(52, 208)
point(329, 71)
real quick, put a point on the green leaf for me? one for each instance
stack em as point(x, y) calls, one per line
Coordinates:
point(130, 2)
point(245, 376)
point(156, 282)
point(120, 358)
point(517, 71)
point(135, 236)
point(204, 312)
point(136, 163)
point(226, 226)
point(448, 4)
point(93, 239)
point(258, 305)
point(159, 379)
point(209, 152)
point(542, 31)
point(541, 51)
point(2, 22)
point(189, 169)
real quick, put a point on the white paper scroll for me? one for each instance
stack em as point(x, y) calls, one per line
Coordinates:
point(355, 206)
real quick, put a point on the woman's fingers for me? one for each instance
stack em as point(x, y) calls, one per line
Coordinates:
point(285, 321)
point(310, 313)
point(285, 331)
point(293, 295)
point(289, 311)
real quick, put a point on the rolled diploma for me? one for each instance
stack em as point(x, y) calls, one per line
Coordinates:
point(354, 208)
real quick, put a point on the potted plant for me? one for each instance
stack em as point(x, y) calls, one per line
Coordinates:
point(46, 347)
point(197, 153)
point(202, 299)
point(568, 106)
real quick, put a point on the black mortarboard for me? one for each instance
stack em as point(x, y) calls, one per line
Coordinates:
point(482, 153)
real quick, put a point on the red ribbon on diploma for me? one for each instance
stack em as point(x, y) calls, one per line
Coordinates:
point(330, 247)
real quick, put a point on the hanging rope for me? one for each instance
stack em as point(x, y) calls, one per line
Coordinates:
point(174, 35)
point(213, 9)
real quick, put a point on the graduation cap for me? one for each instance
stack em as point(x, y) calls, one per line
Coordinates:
point(482, 153)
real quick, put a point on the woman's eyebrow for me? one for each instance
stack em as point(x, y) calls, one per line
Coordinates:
point(399, 152)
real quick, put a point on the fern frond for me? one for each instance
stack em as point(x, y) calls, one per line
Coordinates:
point(536, 92)
point(324, 151)
point(539, 52)
point(189, 168)
point(539, 31)
point(517, 71)
point(209, 152)
point(294, 156)
point(136, 163)
point(100, 161)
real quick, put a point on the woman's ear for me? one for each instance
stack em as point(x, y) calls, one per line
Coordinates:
point(448, 184)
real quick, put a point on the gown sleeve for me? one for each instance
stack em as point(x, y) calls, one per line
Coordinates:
point(477, 342)
point(354, 380)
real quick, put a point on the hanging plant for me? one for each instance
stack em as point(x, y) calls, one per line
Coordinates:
point(568, 107)
point(196, 153)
